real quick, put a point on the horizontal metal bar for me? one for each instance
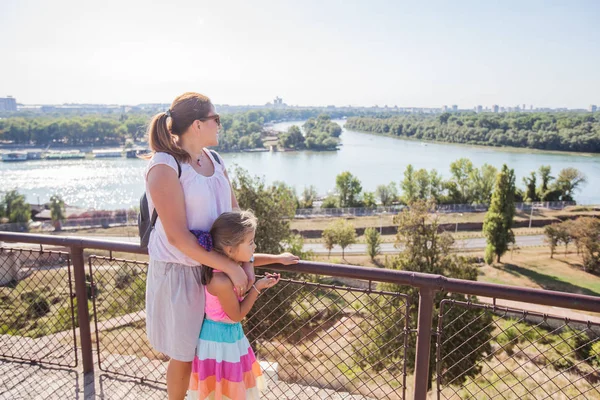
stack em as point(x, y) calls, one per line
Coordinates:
point(415, 279)
point(71, 241)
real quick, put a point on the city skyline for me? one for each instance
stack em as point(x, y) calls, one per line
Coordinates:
point(352, 54)
point(278, 103)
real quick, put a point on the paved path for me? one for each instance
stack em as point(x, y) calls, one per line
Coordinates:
point(26, 381)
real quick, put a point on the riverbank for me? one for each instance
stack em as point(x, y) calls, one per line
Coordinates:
point(509, 149)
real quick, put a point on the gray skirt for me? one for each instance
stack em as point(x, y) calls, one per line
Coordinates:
point(174, 308)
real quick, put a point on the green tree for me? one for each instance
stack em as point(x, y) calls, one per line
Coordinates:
point(462, 171)
point(482, 183)
point(569, 180)
point(309, 195)
point(552, 237)
point(545, 179)
point(386, 194)
point(409, 186)
point(57, 211)
point(10, 198)
point(373, 238)
point(330, 201)
point(295, 245)
point(587, 234)
point(530, 184)
point(564, 233)
point(274, 206)
point(293, 138)
point(349, 188)
point(497, 224)
point(368, 200)
point(422, 181)
point(343, 233)
point(329, 239)
point(436, 185)
point(426, 250)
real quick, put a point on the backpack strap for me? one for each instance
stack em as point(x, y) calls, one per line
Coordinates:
point(154, 213)
point(216, 157)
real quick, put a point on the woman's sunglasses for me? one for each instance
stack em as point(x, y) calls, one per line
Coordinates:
point(216, 117)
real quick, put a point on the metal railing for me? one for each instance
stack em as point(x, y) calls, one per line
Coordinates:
point(314, 333)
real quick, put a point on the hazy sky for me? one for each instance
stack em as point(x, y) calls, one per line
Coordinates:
point(420, 53)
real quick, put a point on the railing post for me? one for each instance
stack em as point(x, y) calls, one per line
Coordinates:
point(423, 342)
point(83, 315)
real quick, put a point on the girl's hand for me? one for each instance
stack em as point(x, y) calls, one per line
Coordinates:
point(268, 281)
point(239, 279)
point(288, 259)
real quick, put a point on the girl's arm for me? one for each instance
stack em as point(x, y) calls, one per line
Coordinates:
point(167, 195)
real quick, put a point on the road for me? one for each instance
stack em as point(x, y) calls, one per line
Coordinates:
point(361, 248)
point(388, 248)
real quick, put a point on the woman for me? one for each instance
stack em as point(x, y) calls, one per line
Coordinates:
point(174, 293)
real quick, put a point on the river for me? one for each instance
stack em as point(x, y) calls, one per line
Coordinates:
point(118, 182)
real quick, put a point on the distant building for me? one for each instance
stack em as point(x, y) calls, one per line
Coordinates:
point(478, 109)
point(592, 108)
point(444, 108)
point(8, 103)
point(495, 108)
point(454, 108)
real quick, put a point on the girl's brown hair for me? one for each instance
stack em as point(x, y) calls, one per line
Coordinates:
point(165, 131)
point(229, 230)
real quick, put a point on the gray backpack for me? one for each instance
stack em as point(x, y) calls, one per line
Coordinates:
point(145, 223)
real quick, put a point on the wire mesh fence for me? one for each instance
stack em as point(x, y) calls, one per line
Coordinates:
point(525, 355)
point(441, 208)
point(312, 339)
point(117, 293)
point(37, 307)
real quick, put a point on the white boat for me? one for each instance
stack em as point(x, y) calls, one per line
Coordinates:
point(107, 153)
point(14, 156)
point(64, 155)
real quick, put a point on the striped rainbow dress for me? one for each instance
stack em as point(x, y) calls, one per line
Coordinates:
point(225, 367)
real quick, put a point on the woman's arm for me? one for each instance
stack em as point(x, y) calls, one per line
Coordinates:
point(167, 196)
point(234, 202)
point(221, 287)
point(283, 258)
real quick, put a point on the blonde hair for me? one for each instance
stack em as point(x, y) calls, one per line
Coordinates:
point(229, 230)
point(165, 130)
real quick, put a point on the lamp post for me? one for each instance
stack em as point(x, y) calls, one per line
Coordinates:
point(531, 214)
point(457, 216)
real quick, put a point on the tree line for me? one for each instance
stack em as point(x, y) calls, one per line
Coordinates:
point(240, 131)
point(578, 132)
point(466, 185)
point(584, 232)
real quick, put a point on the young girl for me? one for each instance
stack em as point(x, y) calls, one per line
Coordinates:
point(225, 366)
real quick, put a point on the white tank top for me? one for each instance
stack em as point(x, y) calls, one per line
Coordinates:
point(205, 199)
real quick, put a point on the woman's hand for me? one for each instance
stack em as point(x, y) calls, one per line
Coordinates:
point(248, 268)
point(239, 279)
point(288, 259)
point(268, 281)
